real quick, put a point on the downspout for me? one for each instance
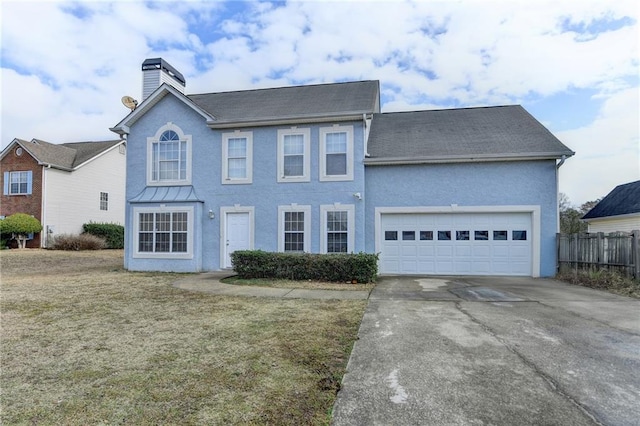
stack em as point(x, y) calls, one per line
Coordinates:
point(44, 234)
point(562, 160)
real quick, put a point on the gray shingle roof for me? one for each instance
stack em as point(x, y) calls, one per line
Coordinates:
point(67, 155)
point(291, 102)
point(624, 199)
point(461, 134)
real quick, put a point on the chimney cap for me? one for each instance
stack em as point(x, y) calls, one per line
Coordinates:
point(159, 63)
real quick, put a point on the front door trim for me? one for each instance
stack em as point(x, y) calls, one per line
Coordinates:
point(224, 211)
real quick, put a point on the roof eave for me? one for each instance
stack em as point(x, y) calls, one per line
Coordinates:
point(276, 121)
point(482, 158)
point(612, 217)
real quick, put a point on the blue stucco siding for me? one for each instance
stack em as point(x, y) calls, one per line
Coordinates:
point(521, 183)
point(264, 194)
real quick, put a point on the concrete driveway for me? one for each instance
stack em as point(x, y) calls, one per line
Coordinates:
point(493, 351)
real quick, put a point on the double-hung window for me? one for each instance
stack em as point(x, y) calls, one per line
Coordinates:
point(294, 155)
point(18, 183)
point(166, 232)
point(337, 222)
point(294, 228)
point(237, 156)
point(104, 201)
point(336, 153)
point(169, 156)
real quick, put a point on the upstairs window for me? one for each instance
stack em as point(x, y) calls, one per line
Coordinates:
point(294, 155)
point(169, 156)
point(336, 153)
point(237, 152)
point(104, 201)
point(18, 183)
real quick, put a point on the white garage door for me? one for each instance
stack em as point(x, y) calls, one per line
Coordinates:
point(456, 244)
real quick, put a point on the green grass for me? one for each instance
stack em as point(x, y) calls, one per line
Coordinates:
point(108, 346)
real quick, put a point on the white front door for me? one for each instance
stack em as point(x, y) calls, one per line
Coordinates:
point(237, 235)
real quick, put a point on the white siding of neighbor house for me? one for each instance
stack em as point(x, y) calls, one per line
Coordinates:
point(626, 223)
point(71, 199)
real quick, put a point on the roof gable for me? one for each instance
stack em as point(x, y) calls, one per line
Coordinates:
point(122, 128)
point(624, 199)
point(66, 156)
point(465, 134)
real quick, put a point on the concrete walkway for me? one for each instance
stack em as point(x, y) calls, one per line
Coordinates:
point(210, 283)
point(492, 351)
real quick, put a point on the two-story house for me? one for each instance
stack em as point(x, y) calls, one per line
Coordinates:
point(63, 185)
point(318, 168)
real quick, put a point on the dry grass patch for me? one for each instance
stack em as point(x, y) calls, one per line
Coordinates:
point(85, 342)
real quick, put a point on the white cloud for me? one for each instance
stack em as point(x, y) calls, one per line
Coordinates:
point(607, 150)
point(63, 76)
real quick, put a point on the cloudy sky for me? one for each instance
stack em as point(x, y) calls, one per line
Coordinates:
point(574, 65)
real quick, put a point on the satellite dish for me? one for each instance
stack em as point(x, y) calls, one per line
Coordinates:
point(129, 102)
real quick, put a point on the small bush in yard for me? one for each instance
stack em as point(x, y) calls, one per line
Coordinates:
point(20, 225)
point(111, 232)
point(78, 242)
point(355, 267)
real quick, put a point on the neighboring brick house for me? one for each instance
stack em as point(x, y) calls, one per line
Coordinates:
point(63, 185)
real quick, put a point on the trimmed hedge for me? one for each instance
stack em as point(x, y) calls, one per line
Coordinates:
point(358, 267)
point(112, 233)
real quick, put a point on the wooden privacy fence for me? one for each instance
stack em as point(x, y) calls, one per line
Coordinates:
point(617, 251)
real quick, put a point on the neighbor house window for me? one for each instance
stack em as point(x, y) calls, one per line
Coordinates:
point(18, 183)
point(294, 155)
point(337, 228)
point(169, 156)
point(336, 153)
point(166, 232)
point(237, 153)
point(294, 228)
point(104, 201)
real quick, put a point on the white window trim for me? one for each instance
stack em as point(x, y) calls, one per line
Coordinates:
point(225, 160)
point(156, 139)
point(306, 134)
point(323, 155)
point(337, 207)
point(307, 225)
point(162, 209)
point(17, 173)
point(534, 210)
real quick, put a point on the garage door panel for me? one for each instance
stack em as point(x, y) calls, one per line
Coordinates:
point(480, 243)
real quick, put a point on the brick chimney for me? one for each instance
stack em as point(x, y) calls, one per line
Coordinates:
point(156, 71)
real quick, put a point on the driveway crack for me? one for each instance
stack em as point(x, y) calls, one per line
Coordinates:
point(555, 386)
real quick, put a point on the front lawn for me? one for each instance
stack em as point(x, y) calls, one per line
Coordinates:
point(85, 342)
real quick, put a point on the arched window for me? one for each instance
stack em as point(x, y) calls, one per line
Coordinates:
point(169, 155)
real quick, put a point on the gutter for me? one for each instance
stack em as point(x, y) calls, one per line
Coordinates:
point(462, 159)
point(272, 121)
